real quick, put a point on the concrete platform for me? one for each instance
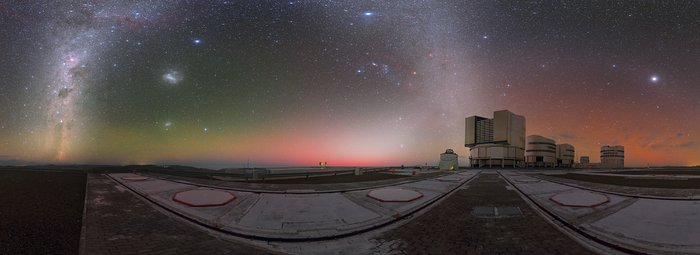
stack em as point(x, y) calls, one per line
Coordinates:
point(656, 221)
point(647, 225)
point(306, 216)
point(116, 221)
point(667, 193)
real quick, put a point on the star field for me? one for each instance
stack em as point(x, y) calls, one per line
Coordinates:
point(218, 83)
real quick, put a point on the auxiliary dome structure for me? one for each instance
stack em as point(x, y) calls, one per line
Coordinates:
point(449, 160)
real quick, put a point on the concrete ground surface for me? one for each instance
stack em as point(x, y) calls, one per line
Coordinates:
point(119, 222)
point(297, 216)
point(647, 225)
point(463, 212)
point(453, 228)
point(452, 225)
point(40, 211)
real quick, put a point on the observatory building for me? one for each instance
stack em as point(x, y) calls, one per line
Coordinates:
point(565, 155)
point(449, 160)
point(499, 141)
point(612, 156)
point(585, 160)
point(540, 151)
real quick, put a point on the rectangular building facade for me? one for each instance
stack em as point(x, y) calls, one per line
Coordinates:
point(509, 129)
point(495, 142)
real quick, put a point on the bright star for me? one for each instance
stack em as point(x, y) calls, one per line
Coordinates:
point(197, 41)
point(368, 14)
point(654, 78)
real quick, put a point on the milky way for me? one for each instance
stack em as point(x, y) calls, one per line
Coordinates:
point(224, 83)
point(79, 35)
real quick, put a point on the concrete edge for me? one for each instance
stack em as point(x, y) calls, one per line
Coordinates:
point(83, 235)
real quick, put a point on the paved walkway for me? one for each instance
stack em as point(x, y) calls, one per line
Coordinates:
point(118, 222)
point(450, 227)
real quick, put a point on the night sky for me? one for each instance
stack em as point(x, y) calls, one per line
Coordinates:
point(220, 83)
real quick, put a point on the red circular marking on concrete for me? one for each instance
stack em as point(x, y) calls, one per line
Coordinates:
point(579, 198)
point(526, 180)
point(394, 195)
point(450, 178)
point(135, 178)
point(203, 197)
